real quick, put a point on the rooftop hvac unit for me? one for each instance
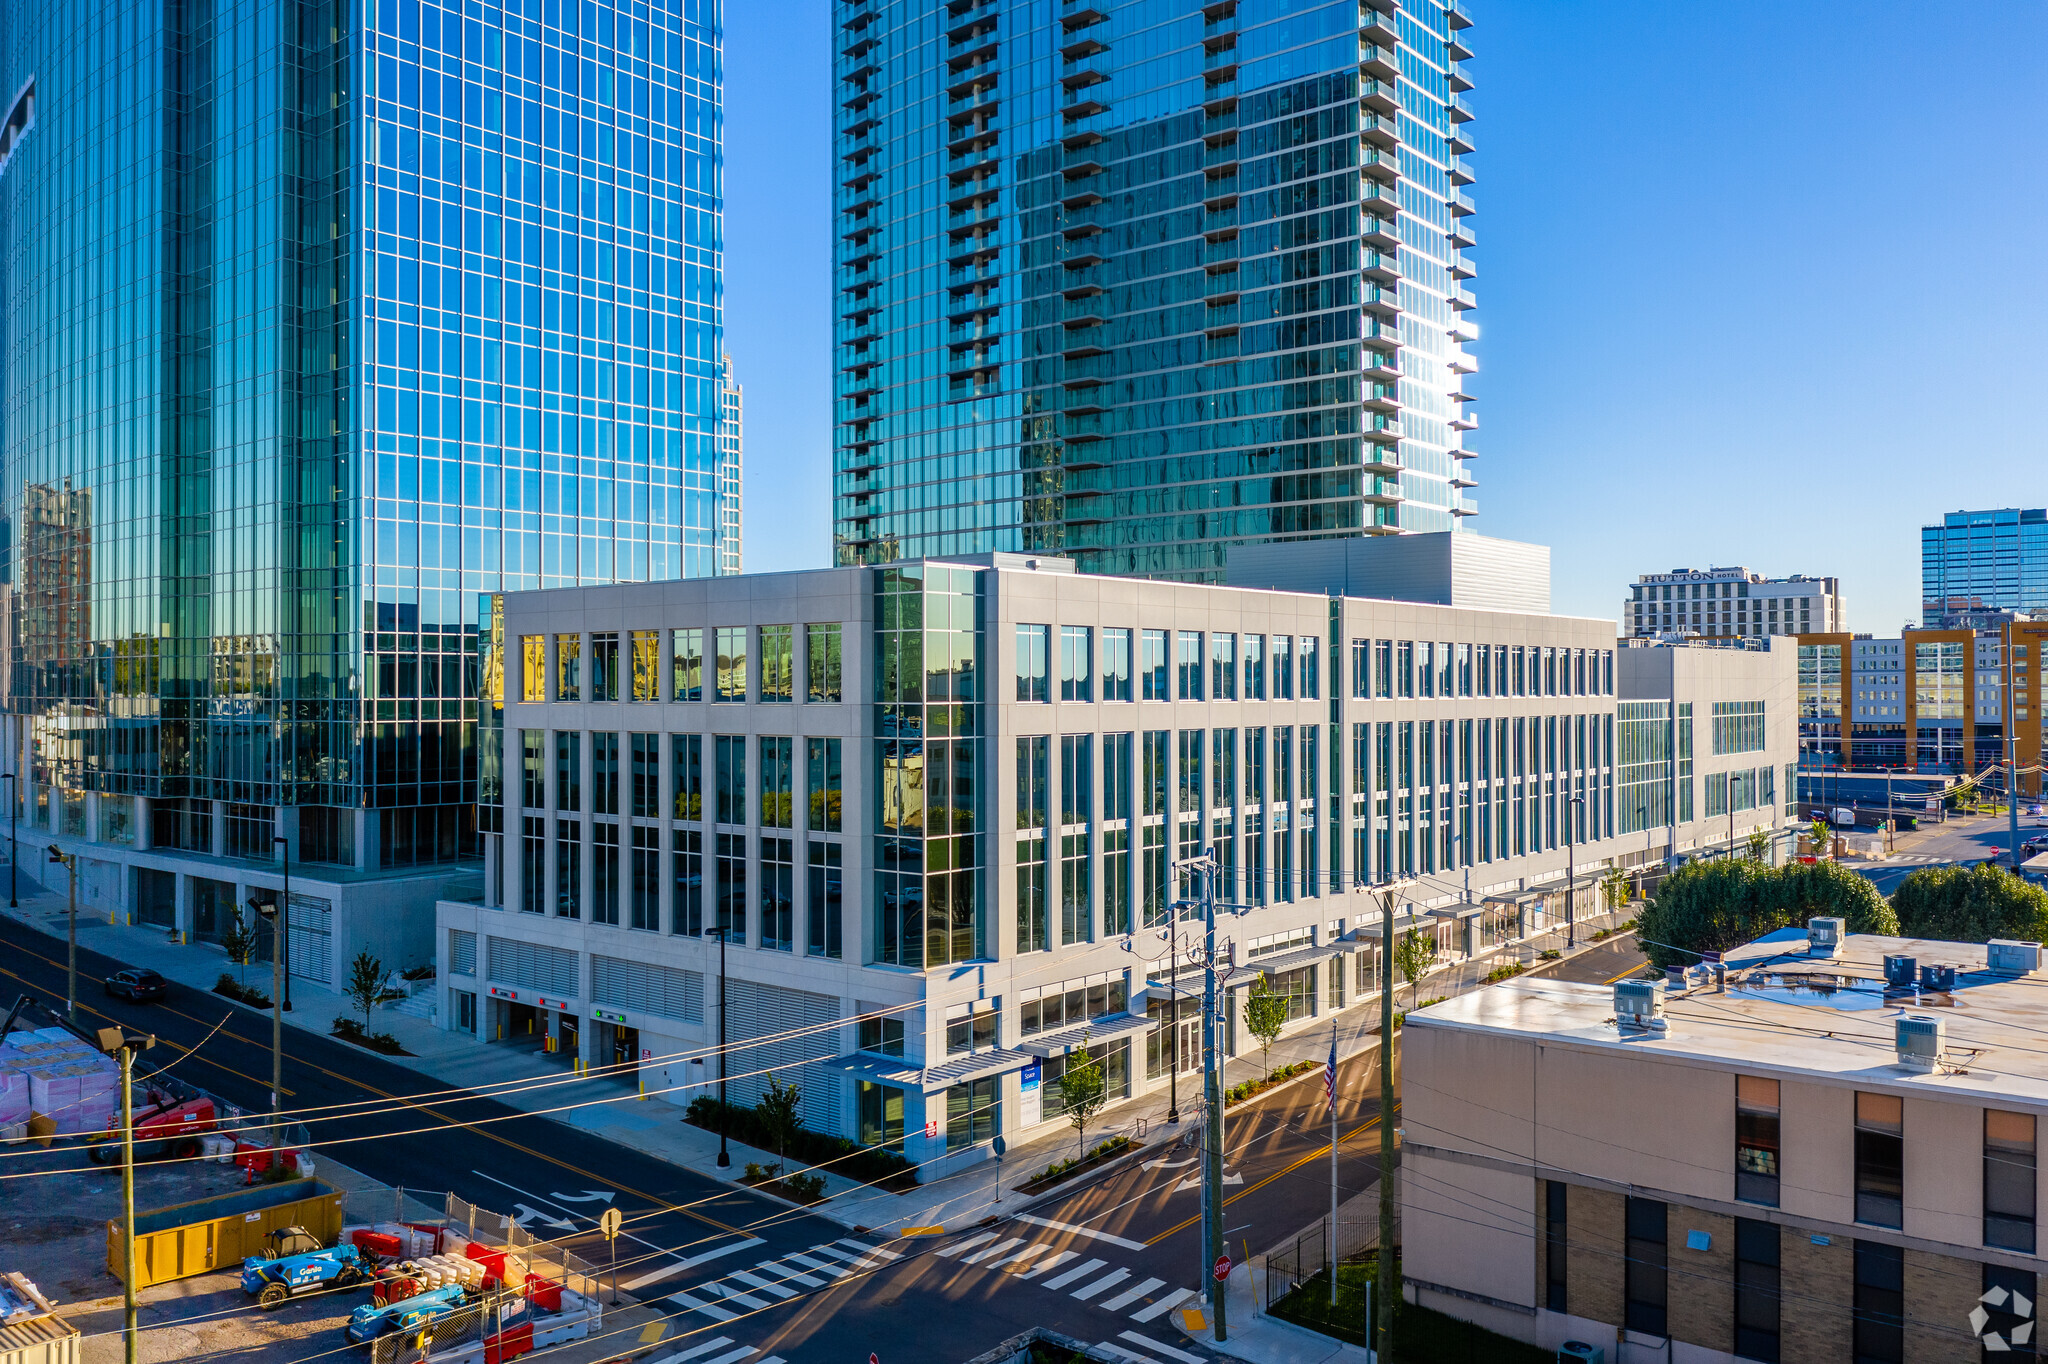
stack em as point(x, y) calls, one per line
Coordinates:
point(1579, 1352)
point(1900, 972)
point(1639, 1004)
point(2012, 958)
point(1933, 977)
point(1824, 935)
point(1920, 1040)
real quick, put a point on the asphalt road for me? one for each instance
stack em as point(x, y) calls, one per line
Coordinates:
point(746, 1279)
point(1602, 964)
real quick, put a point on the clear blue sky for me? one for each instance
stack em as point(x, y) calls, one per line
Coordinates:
point(1758, 283)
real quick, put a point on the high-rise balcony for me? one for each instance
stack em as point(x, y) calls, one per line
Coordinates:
point(1377, 26)
point(1385, 302)
point(1379, 61)
point(1384, 460)
point(1380, 96)
point(1382, 267)
point(1384, 490)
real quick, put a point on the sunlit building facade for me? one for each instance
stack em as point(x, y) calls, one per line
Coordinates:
point(324, 323)
point(1135, 282)
point(1978, 563)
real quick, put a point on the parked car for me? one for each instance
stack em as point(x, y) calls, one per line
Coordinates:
point(138, 983)
point(274, 1278)
point(371, 1320)
point(2033, 847)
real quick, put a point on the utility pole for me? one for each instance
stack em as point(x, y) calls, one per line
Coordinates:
point(1389, 1283)
point(69, 861)
point(2012, 770)
point(268, 909)
point(115, 1040)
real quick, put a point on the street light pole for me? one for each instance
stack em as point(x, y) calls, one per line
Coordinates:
point(1571, 875)
point(724, 1117)
point(284, 919)
point(69, 861)
point(1389, 1284)
point(1212, 1084)
point(115, 1040)
point(1173, 1031)
point(267, 909)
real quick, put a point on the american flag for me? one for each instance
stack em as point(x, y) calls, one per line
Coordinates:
point(1330, 1075)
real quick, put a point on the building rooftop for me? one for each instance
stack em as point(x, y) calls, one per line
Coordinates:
point(1787, 1010)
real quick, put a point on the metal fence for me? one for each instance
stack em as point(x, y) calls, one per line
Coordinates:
point(1306, 1254)
point(473, 1321)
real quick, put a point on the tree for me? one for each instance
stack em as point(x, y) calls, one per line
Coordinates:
point(1413, 956)
point(239, 942)
point(1821, 836)
point(777, 1110)
point(365, 984)
point(1265, 1014)
point(1614, 889)
point(1722, 904)
point(1759, 845)
point(1954, 904)
point(1084, 1089)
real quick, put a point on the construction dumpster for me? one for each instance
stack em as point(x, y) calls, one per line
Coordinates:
point(215, 1233)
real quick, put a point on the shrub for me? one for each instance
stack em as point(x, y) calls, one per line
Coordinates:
point(805, 1186)
point(226, 986)
point(866, 1164)
point(757, 1171)
point(1718, 905)
point(1975, 904)
point(1506, 972)
point(1551, 953)
point(347, 1027)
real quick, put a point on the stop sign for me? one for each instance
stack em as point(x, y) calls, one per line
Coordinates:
point(1222, 1268)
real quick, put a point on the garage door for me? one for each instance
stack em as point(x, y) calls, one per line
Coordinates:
point(773, 1012)
point(312, 925)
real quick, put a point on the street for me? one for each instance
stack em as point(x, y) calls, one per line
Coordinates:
point(748, 1278)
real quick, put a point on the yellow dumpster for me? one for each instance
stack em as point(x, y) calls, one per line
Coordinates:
point(215, 1233)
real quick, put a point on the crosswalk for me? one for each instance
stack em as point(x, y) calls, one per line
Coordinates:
point(1089, 1279)
point(768, 1282)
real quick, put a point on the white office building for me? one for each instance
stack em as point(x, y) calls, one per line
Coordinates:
point(1731, 602)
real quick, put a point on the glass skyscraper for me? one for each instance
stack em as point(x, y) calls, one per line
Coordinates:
point(1978, 562)
point(1135, 280)
point(322, 323)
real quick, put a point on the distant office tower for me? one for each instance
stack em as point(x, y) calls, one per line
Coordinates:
point(1979, 562)
point(318, 335)
point(1731, 601)
point(1134, 282)
point(731, 460)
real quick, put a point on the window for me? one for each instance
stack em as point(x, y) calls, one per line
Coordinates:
point(568, 770)
point(686, 776)
point(731, 753)
point(2009, 1191)
point(568, 869)
point(731, 664)
point(1880, 1159)
point(2015, 1293)
point(1361, 668)
point(1878, 1334)
point(646, 776)
point(1069, 1003)
point(1032, 644)
point(1383, 667)
point(646, 649)
point(1116, 665)
point(824, 913)
point(823, 785)
point(1738, 727)
point(1555, 1243)
point(1254, 667)
point(971, 1114)
point(881, 1115)
point(1115, 1060)
point(883, 1036)
point(604, 666)
point(1223, 667)
point(533, 669)
point(1645, 1270)
point(1311, 669)
point(777, 775)
point(1404, 667)
point(533, 761)
point(1756, 1140)
point(732, 886)
point(1152, 665)
point(822, 663)
point(568, 667)
point(778, 894)
point(971, 1027)
point(1188, 684)
point(533, 866)
point(1033, 757)
point(777, 650)
point(604, 880)
point(686, 663)
point(686, 905)
point(645, 885)
point(1076, 663)
point(1756, 1290)
point(1464, 670)
point(1283, 667)
point(604, 773)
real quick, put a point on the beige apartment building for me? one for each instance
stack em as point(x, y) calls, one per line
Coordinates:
point(1797, 1161)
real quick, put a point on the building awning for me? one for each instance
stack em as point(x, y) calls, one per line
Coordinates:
point(1108, 1028)
point(955, 1070)
point(1300, 957)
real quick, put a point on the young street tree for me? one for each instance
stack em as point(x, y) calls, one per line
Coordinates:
point(1084, 1089)
point(1265, 1014)
point(1821, 835)
point(1413, 956)
point(365, 984)
point(777, 1110)
point(239, 942)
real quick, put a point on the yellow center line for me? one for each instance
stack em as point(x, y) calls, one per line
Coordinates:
point(1316, 1154)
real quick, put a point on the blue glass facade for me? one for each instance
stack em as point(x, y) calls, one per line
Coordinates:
point(323, 323)
point(1983, 561)
point(1135, 281)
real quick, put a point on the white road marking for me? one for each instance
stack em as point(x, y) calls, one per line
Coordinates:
point(1077, 1272)
point(789, 1275)
point(1019, 1257)
point(704, 1349)
point(1109, 1280)
point(1042, 1266)
point(1081, 1231)
point(987, 1252)
point(1169, 1351)
point(737, 1355)
point(1164, 1305)
point(871, 1250)
point(756, 1281)
point(1124, 1352)
point(669, 1271)
point(731, 1294)
point(1129, 1296)
point(1195, 1181)
point(690, 1304)
point(969, 1244)
point(819, 1265)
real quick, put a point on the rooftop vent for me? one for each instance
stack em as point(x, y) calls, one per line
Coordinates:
point(2012, 958)
point(1920, 1040)
point(1900, 972)
point(1639, 1004)
point(1823, 936)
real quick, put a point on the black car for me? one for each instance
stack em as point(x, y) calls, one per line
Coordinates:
point(137, 983)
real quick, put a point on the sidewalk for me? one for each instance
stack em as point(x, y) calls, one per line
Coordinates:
point(1269, 1340)
point(654, 1127)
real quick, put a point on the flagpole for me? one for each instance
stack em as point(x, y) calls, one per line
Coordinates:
point(1330, 1086)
